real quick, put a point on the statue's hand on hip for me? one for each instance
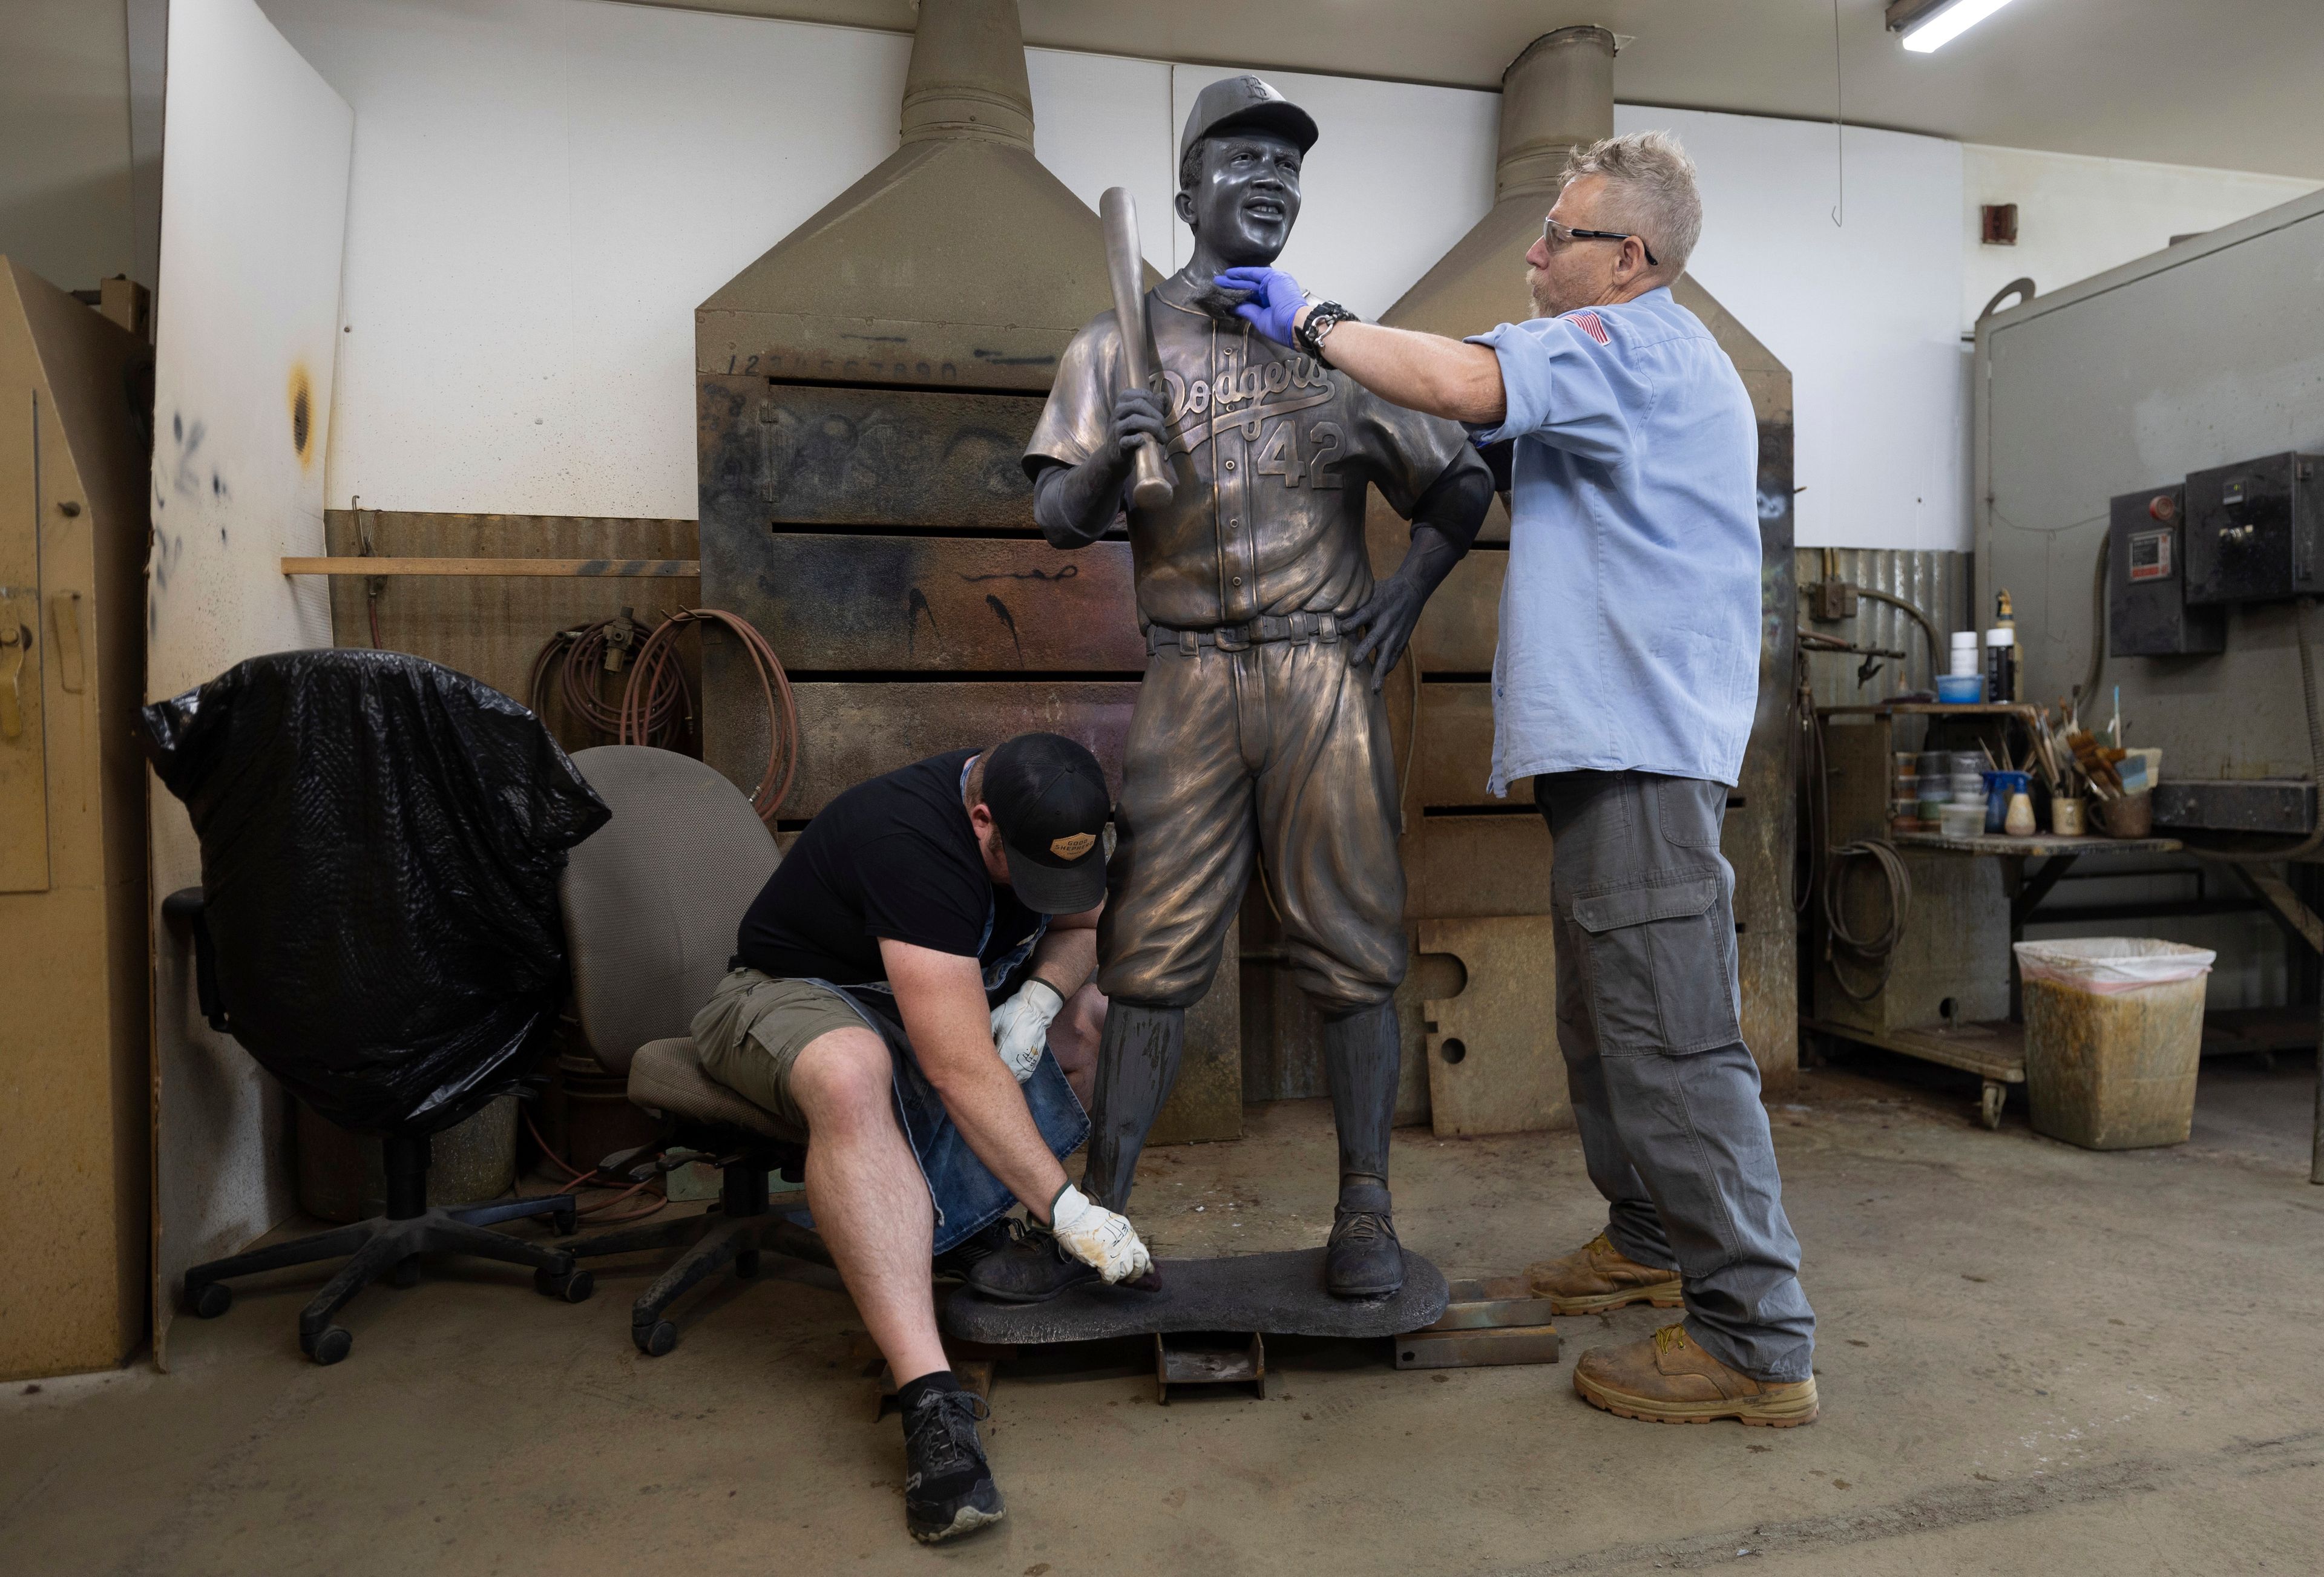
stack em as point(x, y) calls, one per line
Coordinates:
point(1386, 620)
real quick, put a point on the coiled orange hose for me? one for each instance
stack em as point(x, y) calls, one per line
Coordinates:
point(657, 656)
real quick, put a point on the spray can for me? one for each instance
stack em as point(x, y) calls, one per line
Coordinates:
point(2001, 653)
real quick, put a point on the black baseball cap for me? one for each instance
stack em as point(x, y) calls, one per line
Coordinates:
point(1236, 104)
point(1048, 800)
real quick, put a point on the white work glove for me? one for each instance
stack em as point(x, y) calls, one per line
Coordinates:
point(1020, 1027)
point(1098, 1238)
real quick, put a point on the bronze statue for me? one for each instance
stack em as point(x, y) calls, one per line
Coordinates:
point(1259, 728)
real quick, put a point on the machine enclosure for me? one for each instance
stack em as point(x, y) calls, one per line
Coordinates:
point(2237, 805)
point(2251, 531)
point(2147, 614)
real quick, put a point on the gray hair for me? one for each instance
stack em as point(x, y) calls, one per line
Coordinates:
point(1649, 191)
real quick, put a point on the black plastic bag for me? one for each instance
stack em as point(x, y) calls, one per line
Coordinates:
point(381, 843)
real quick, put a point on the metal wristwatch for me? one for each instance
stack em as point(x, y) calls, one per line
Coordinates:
point(1326, 317)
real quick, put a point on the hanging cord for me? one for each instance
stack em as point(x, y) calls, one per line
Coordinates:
point(1839, 130)
point(1873, 952)
point(657, 656)
point(373, 584)
point(1814, 789)
point(2097, 620)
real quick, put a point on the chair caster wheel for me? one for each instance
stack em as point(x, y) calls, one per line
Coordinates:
point(746, 1264)
point(211, 1299)
point(332, 1343)
point(572, 1288)
point(406, 1272)
point(658, 1340)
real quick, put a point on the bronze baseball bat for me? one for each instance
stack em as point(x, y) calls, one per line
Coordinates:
point(1124, 264)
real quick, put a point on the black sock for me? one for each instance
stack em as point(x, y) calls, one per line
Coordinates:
point(909, 1394)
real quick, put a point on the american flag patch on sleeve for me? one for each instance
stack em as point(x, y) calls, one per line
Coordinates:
point(1587, 323)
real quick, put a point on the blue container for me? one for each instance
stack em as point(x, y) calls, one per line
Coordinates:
point(1999, 787)
point(1960, 689)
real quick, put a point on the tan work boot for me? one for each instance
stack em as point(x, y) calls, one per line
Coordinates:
point(1596, 1277)
point(1668, 1380)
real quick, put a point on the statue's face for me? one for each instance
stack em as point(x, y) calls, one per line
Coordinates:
point(1245, 198)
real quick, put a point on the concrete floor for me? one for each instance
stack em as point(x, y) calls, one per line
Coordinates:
point(2034, 1359)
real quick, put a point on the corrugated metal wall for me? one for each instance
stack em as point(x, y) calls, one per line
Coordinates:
point(1937, 583)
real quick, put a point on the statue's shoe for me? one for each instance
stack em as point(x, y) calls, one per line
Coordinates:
point(1363, 1259)
point(1031, 1267)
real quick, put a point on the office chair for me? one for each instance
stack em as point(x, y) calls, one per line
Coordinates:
point(651, 905)
point(376, 926)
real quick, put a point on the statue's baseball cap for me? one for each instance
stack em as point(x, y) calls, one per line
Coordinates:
point(1237, 104)
point(1049, 802)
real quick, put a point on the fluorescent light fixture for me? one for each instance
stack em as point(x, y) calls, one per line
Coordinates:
point(1932, 25)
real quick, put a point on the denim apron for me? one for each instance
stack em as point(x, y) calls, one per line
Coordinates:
point(967, 1197)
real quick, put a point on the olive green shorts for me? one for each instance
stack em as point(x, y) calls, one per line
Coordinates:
point(750, 1034)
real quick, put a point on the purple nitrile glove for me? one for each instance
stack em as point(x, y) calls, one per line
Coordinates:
point(1275, 302)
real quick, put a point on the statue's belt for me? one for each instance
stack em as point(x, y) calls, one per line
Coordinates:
point(1268, 627)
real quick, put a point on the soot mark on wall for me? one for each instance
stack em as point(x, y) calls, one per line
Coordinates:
point(1001, 612)
point(914, 606)
point(301, 395)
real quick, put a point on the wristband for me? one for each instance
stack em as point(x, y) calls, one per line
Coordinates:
point(1321, 320)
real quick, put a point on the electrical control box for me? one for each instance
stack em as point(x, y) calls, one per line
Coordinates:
point(2147, 614)
point(2252, 529)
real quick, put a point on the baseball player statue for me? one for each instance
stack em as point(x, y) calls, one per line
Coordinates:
point(1260, 729)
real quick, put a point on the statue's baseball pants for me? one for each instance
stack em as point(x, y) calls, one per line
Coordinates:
point(1278, 751)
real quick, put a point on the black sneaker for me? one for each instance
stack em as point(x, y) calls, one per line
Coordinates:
point(1363, 1259)
point(956, 1262)
point(948, 1489)
point(1031, 1267)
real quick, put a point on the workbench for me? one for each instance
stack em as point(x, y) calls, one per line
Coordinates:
point(1952, 996)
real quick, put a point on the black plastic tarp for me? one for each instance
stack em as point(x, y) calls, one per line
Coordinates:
point(380, 842)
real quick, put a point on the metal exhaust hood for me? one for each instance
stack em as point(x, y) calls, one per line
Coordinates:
point(1556, 95)
point(959, 261)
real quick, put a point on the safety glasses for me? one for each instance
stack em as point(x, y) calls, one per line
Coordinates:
point(1558, 235)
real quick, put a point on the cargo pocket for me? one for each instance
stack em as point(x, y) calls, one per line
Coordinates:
point(1660, 975)
point(1692, 812)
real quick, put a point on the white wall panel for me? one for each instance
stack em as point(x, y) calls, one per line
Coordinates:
point(1102, 120)
point(1864, 312)
point(545, 190)
point(254, 210)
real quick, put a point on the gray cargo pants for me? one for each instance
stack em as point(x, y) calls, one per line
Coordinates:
point(1664, 1089)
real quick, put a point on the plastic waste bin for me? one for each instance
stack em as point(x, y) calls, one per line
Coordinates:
point(2114, 1034)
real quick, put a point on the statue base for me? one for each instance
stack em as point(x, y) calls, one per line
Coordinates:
point(1276, 1294)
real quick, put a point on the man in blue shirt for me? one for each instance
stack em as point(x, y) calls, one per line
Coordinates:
point(1623, 686)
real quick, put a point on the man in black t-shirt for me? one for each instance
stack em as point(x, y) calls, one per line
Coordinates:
point(907, 988)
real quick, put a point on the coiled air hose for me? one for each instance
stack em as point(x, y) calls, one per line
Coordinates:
point(1873, 951)
point(659, 656)
point(656, 706)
